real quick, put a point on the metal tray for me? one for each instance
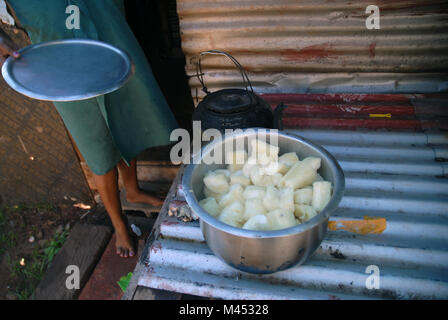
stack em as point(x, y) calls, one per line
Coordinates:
point(68, 70)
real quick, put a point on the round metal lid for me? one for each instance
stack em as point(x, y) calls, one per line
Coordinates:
point(229, 101)
point(68, 70)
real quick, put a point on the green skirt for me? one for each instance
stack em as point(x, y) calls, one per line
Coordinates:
point(118, 125)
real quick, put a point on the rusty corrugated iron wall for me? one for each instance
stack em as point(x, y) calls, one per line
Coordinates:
point(295, 46)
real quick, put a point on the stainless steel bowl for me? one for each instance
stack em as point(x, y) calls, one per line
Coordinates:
point(263, 252)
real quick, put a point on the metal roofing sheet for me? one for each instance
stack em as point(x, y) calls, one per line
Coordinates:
point(318, 46)
point(410, 192)
point(363, 111)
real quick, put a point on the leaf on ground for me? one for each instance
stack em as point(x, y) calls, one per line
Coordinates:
point(124, 281)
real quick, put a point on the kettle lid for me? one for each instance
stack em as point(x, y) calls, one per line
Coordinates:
point(229, 101)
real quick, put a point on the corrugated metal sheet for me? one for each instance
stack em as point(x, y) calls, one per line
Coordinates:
point(363, 111)
point(393, 175)
point(291, 46)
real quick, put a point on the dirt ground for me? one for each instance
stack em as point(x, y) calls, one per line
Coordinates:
point(30, 236)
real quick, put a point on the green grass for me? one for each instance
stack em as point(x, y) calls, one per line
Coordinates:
point(3, 216)
point(34, 269)
point(8, 239)
point(22, 207)
point(26, 277)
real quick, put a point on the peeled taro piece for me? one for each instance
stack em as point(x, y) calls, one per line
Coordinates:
point(253, 207)
point(281, 219)
point(210, 205)
point(239, 178)
point(321, 195)
point(302, 173)
point(232, 214)
point(303, 196)
point(304, 212)
point(216, 182)
point(259, 222)
point(235, 194)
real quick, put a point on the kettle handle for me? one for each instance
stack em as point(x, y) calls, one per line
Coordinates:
point(278, 115)
point(200, 74)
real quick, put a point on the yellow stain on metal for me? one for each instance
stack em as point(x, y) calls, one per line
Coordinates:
point(380, 115)
point(369, 225)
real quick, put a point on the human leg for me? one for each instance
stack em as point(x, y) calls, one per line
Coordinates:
point(107, 185)
point(133, 192)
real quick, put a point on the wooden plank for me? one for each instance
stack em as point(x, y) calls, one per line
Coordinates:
point(142, 265)
point(146, 172)
point(102, 283)
point(83, 248)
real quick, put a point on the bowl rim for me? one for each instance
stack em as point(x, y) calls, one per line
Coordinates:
point(204, 216)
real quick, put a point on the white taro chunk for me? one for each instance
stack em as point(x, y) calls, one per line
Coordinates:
point(232, 214)
point(259, 222)
point(239, 178)
point(313, 162)
point(252, 192)
point(271, 200)
point(302, 173)
point(210, 194)
point(247, 167)
point(276, 179)
point(235, 194)
point(210, 205)
point(319, 178)
point(264, 152)
point(236, 159)
point(321, 195)
point(264, 159)
point(281, 219)
point(253, 207)
point(255, 176)
point(259, 179)
point(216, 182)
point(303, 196)
point(298, 176)
point(225, 172)
point(270, 169)
point(286, 197)
point(286, 161)
point(258, 146)
point(304, 212)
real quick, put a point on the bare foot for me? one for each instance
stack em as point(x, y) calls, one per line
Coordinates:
point(144, 197)
point(124, 244)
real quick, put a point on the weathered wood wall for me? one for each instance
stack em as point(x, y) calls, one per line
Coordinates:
point(37, 160)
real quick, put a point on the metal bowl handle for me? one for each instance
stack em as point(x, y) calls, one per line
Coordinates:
point(200, 74)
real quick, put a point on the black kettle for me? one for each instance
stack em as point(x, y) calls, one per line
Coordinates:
point(234, 108)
